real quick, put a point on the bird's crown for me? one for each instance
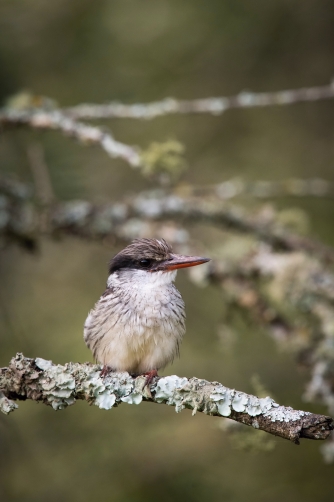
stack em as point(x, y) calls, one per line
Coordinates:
point(141, 254)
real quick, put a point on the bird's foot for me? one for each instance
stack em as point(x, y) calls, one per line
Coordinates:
point(105, 371)
point(150, 375)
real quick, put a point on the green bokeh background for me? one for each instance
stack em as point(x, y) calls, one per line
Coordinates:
point(137, 51)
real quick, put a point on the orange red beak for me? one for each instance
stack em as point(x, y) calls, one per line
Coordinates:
point(179, 261)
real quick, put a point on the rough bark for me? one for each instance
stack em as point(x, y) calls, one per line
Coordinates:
point(60, 386)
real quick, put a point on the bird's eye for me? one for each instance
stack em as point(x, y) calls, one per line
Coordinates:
point(145, 263)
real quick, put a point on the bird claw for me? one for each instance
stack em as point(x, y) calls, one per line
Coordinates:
point(150, 375)
point(105, 371)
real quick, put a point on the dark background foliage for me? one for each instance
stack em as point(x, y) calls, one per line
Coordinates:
point(142, 51)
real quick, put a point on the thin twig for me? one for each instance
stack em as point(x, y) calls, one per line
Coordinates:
point(43, 186)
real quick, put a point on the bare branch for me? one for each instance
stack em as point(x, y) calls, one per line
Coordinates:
point(60, 386)
point(214, 105)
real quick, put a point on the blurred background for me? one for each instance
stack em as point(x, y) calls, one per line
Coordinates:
point(131, 51)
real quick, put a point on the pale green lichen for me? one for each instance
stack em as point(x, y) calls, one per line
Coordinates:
point(57, 384)
point(96, 391)
point(168, 390)
point(25, 100)
point(223, 399)
point(254, 406)
point(60, 385)
point(163, 159)
point(105, 392)
point(105, 400)
point(133, 398)
point(240, 401)
point(227, 399)
point(43, 364)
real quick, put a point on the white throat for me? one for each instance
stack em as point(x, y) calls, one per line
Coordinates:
point(140, 279)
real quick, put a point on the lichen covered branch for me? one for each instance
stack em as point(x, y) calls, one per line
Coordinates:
point(20, 220)
point(61, 386)
point(38, 118)
point(213, 105)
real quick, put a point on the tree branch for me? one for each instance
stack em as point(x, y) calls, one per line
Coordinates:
point(214, 105)
point(60, 386)
point(38, 118)
point(20, 218)
point(265, 189)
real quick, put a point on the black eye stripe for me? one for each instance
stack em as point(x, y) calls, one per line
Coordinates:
point(122, 262)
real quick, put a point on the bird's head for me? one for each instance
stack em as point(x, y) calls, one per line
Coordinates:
point(152, 255)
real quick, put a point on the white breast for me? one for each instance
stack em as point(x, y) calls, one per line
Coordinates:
point(138, 323)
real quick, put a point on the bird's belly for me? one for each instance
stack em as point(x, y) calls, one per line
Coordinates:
point(139, 339)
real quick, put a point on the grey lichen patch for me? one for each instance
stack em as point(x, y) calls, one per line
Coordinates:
point(72, 213)
point(155, 204)
point(278, 413)
point(6, 405)
point(104, 221)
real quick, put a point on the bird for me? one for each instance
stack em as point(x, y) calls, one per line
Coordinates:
point(139, 321)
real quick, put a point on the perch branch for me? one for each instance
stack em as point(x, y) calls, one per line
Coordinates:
point(214, 105)
point(60, 386)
